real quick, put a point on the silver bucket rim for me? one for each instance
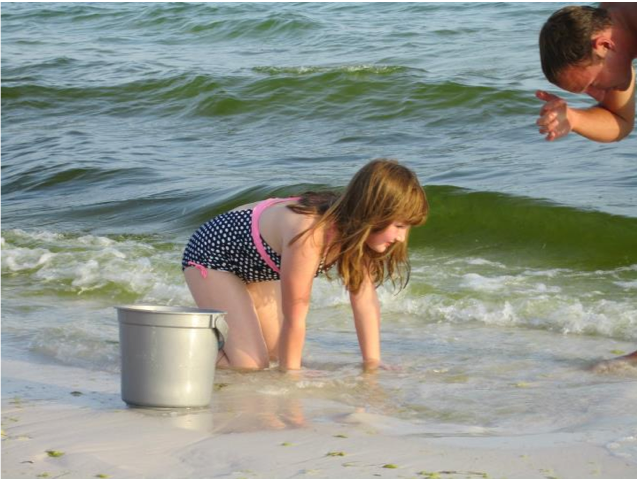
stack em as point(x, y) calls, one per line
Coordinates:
point(151, 308)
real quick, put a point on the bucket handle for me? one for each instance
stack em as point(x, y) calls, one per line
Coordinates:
point(218, 323)
point(221, 341)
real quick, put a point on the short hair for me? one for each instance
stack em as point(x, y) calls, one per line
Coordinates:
point(565, 39)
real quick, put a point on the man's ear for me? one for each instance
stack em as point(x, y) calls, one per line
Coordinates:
point(601, 43)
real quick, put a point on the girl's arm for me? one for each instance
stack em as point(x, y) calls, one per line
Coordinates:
point(299, 263)
point(366, 308)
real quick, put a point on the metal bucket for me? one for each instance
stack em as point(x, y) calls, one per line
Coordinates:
point(168, 354)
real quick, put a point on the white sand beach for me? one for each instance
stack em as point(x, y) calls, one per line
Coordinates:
point(60, 421)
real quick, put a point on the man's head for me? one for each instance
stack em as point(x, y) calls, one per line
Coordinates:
point(579, 53)
point(566, 39)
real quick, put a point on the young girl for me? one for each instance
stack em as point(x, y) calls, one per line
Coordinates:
point(258, 262)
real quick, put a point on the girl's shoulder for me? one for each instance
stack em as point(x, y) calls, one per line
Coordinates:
point(298, 222)
point(306, 229)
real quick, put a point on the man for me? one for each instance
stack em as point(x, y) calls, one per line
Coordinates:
point(591, 50)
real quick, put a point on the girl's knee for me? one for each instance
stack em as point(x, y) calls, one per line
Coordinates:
point(245, 364)
point(246, 355)
point(250, 364)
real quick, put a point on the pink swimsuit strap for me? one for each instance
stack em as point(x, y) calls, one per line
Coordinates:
point(256, 235)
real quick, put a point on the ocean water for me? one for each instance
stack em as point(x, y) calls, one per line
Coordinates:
point(126, 126)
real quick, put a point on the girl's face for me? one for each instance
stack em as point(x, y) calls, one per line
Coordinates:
point(381, 240)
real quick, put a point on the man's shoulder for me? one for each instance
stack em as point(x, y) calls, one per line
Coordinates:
point(625, 12)
point(624, 8)
point(607, 5)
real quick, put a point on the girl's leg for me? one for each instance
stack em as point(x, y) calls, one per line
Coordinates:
point(245, 347)
point(266, 298)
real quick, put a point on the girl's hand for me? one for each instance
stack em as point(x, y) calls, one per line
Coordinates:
point(373, 366)
point(301, 374)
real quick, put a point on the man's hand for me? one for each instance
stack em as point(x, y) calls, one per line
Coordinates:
point(553, 121)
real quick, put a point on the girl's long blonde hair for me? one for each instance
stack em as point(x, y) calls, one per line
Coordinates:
point(380, 193)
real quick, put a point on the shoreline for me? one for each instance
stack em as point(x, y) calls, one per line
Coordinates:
point(78, 416)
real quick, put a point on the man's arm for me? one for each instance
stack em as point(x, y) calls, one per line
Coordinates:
point(611, 120)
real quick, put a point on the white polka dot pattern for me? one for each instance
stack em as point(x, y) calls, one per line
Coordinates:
point(225, 244)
